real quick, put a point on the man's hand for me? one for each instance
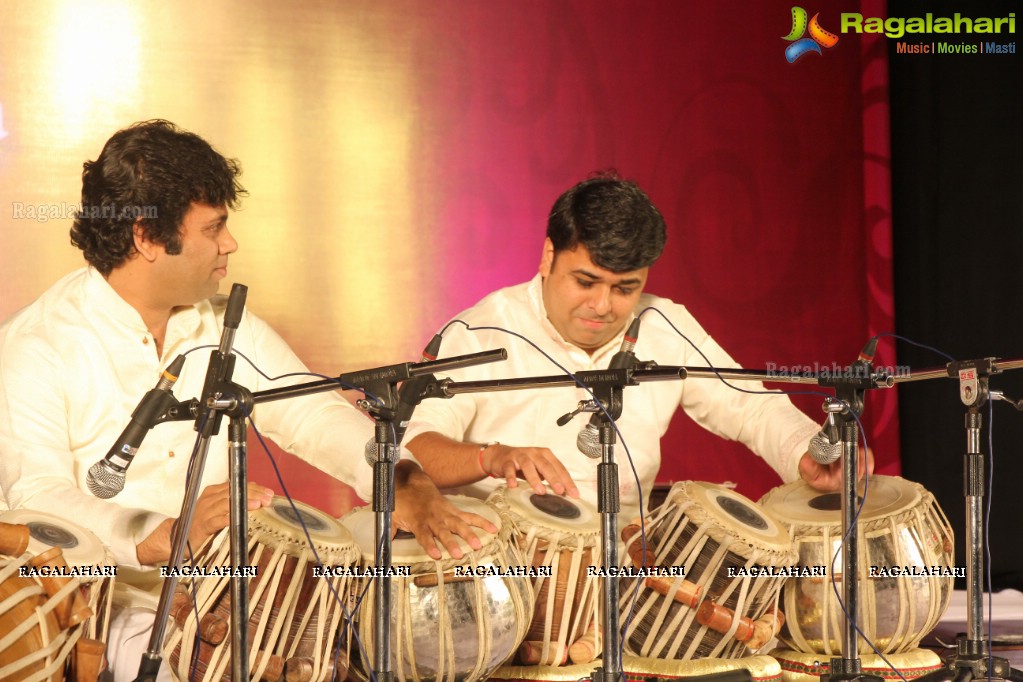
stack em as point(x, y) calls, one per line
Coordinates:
point(212, 513)
point(536, 465)
point(828, 477)
point(419, 508)
point(451, 463)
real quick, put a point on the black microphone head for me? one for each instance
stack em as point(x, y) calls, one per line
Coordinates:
point(588, 441)
point(868, 352)
point(104, 481)
point(432, 350)
point(235, 306)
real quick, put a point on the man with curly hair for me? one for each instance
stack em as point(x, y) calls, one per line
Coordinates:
point(153, 227)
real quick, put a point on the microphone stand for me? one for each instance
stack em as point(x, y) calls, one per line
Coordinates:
point(208, 415)
point(391, 413)
point(609, 391)
point(973, 659)
point(850, 390)
point(391, 409)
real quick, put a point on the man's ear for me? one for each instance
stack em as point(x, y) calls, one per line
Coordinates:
point(547, 258)
point(145, 247)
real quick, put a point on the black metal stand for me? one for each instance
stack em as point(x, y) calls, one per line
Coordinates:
point(850, 391)
point(973, 659)
point(218, 393)
point(609, 393)
point(391, 409)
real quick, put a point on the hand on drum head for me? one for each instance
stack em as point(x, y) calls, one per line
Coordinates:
point(420, 509)
point(212, 513)
point(536, 465)
point(828, 477)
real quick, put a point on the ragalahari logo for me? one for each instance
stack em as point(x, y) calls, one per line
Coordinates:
point(818, 36)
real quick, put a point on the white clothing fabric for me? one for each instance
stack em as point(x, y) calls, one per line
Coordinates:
point(770, 425)
point(76, 362)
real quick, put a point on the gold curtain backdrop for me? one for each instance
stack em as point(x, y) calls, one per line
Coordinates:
point(315, 105)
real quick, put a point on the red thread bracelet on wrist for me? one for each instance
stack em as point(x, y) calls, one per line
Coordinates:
point(480, 455)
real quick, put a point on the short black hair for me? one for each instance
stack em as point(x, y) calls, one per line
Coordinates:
point(151, 172)
point(613, 218)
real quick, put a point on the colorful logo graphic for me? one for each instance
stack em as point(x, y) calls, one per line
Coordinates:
point(818, 36)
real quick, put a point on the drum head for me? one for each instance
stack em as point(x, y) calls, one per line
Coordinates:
point(283, 520)
point(405, 549)
point(735, 513)
point(553, 511)
point(797, 503)
point(80, 546)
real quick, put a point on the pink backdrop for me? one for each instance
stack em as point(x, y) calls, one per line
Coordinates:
point(772, 177)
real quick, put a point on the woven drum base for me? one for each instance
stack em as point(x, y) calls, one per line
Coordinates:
point(637, 669)
point(800, 667)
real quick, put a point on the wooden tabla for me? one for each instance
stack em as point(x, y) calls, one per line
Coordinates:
point(297, 624)
point(74, 570)
point(445, 625)
point(564, 535)
point(34, 646)
point(900, 525)
point(83, 551)
point(709, 531)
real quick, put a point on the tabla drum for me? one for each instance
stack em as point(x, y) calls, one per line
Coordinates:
point(712, 587)
point(298, 596)
point(808, 667)
point(452, 619)
point(87, 556)
point(562, 536)
point(34, 646)
point(902, 531)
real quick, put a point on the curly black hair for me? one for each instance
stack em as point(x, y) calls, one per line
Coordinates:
point(613, 218)
point(149, 173)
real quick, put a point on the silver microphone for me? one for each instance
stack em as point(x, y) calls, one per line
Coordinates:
point(826, 445)
point(588, 440)
point(106, 477)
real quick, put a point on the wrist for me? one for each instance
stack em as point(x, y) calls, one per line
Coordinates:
point(482, 449)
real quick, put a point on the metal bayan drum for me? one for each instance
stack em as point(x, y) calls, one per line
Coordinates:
point(709, 531)
point(450, 619)
point(902, 528)
point(563, 535)
point(297, 626)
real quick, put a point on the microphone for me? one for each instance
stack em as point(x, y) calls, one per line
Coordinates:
point(826, 446)
point(588, 440)
point(430, 354)
point(106, 477)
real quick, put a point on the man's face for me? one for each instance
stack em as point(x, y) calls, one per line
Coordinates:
point(587, 304)
point(195, 273)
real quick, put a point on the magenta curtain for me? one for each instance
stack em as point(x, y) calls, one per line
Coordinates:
point(773, 177)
